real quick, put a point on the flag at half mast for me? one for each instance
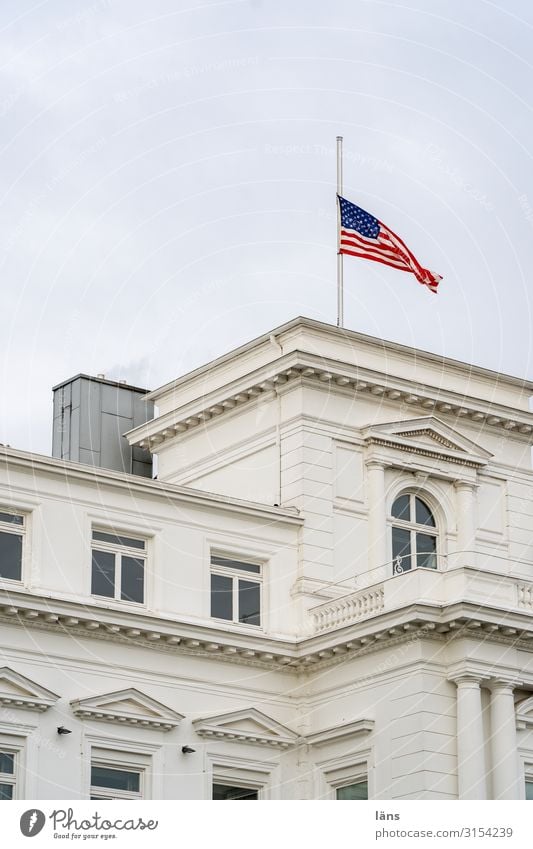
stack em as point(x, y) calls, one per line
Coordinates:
point(363, 235)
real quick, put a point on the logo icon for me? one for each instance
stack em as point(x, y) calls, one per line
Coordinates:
point(32, 822)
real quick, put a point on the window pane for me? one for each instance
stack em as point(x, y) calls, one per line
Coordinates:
point(424, 516)
point(401, 548)
point(249, 602)
point(221, 597)
point(115, 779)
point(225, 792)
point(10, 519)
point(10, 556)
point(103, 576)
point(127, 542)
point(132, 579)
point(401, 508)
point(353, 791)
point(426, 551)
point(529, 790)
point(7, 763)
point(6, 791)
point(235, 564)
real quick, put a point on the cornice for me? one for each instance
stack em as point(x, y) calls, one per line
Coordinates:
point(300, 366)
point(291, 329)
point(28, 694)
point(146, 486)
point(127, 707)
point(434, 454)
point(261, 730)
point(411, 622)
point(340, 733)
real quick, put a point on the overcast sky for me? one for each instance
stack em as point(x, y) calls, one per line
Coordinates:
point(167, 177)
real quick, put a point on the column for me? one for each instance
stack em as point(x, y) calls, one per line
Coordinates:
point(377, 526)
point(503, 745)
point(466, 526)
point(471, 771)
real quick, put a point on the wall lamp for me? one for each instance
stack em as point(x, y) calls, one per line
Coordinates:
point(62, 730)
point(187, 750)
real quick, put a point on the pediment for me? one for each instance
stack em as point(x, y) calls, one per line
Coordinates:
point(20, 692)
point(127, 707)
point(246, 726)
point(429, 434)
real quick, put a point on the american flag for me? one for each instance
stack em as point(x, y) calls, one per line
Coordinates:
point(363, 235)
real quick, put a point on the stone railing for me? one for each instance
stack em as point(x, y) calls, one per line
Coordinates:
point(427, 586)
point(348, 609)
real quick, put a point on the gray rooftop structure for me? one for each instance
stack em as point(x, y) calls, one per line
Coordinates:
point(91, 414)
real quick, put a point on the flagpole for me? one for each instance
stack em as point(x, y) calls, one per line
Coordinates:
point(340, 268)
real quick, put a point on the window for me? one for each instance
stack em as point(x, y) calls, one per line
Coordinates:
point(359, 790)
point(7, 774)
point(235, 590)
point(529, 788)
point(11, 534)
point(118, 567)
point(227, 792)
point(414, 535)
point(108, 782)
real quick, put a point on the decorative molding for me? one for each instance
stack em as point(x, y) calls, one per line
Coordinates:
point(302, 366)
point(144, 486)
point(429, 437)
point(413, 619)
point(357, 728)
point(17, 691)
point(127, 707)
point(246, 726)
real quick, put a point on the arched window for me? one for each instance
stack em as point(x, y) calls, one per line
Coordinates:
point(414, 535)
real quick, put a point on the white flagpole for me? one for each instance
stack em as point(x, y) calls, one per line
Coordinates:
point(340, 268)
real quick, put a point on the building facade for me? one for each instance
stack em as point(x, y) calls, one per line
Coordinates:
point(327, 592)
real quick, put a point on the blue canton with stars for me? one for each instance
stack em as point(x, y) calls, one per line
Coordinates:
point(355, 218)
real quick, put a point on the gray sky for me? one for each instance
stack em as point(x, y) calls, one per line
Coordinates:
point(167, 181)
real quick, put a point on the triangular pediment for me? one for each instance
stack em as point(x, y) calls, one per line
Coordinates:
point(428, 433)
point(127, 707)
point(18, 691)
point(246, 726)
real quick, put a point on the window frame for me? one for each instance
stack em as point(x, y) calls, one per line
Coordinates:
point(527, 773)
point(236, 575)
point(119, 551)
point(241, 772)
point(102, 793)
point(350, 783)
point(345, 770)
point(237, 783)
point(414, 528)
point(16, 530)
point(13, 779)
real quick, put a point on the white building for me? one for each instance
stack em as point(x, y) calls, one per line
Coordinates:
point(327, 592)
